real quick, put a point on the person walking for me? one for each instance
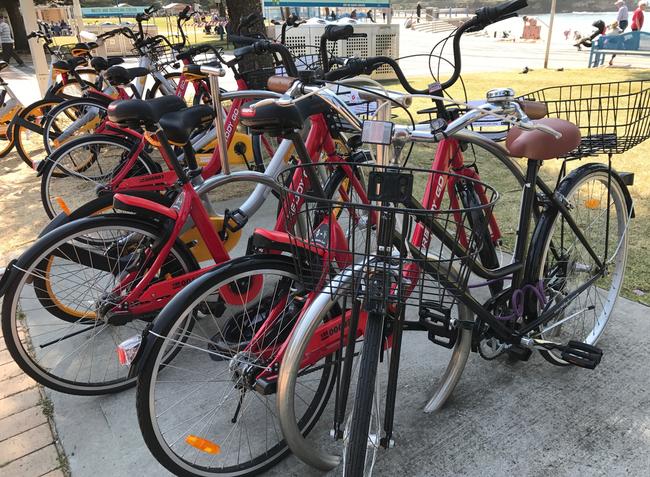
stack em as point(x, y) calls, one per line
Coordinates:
point(7, 40)
point(418, 11)
point(637, 17)
point(622, 15)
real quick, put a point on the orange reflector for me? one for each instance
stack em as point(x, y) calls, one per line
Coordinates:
point(592, 203)
point(63, 205)
point(203, 444)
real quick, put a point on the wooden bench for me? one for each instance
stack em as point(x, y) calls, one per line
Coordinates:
point(630, 43)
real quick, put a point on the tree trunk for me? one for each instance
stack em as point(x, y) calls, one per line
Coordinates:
point(241, 8)
point(17, 25)
point(255, 68)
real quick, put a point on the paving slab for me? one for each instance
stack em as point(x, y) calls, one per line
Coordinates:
point(42, 462)
point(9, 370)
point(19, 402)
point(25, 443)
point(15, 385)
point(22, 421)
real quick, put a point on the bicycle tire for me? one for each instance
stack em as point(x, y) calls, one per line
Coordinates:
point(182, 305)
point(355, 454)
point(6, 137)
point(544, 243)
point(51, 140)
point(28, 130)
point(71, 88)
point(478, 221)
point(62, 323)
point(57, 180)
point(156, 91)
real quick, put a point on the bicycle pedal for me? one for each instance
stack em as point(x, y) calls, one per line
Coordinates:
point(518, 353)
point(582, 355)
point(438, 325)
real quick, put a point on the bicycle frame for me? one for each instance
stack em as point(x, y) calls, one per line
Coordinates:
point(146, 297)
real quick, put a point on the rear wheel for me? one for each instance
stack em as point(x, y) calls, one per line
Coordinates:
point(72, 119)
point(207, 412)
point(564, 267)
point(83, 168)
point(193, 96)
point(28, 130)
point(56, 315)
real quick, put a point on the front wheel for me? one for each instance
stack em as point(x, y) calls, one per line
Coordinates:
point(561, 264)
point(56, 314)
point(321, 448)
point(210, 411)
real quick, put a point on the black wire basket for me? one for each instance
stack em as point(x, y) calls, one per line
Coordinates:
point(334, 241)
point(613, 117)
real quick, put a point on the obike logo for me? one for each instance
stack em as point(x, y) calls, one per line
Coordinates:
point(330, 332)
point(182, 283)
point(230, 124)
point(182, 86)
point(426, 239)
point(300, 188)
point(152, 178)
point(440, 187)
point(321, 235)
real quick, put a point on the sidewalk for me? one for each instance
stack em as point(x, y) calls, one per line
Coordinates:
point(28, 447)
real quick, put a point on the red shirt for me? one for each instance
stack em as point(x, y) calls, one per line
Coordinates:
point(637, 19)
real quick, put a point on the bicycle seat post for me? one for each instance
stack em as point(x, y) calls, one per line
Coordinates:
point(215, 73)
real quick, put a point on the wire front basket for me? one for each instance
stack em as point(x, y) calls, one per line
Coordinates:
point(613, 117)
point(335, 243)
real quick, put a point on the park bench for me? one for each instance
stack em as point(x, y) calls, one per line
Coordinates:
point(630, 43)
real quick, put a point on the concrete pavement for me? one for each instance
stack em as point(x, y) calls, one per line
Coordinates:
point(529, 419)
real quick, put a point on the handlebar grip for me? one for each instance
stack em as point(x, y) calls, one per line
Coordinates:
point(280, 84)
point(243, 51)
point(185, 11)
point(338, 32)
point(487, 15)
point(151, 9)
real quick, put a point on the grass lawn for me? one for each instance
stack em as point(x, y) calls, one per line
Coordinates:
point(637, 282)
point(167, 28)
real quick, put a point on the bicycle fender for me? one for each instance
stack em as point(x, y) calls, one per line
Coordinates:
point(6, 277)
point(56, 222)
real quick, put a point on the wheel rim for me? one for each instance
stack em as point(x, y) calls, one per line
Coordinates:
point(82, 171)
point(256, 427)
point(75, 350)
point(568, 265)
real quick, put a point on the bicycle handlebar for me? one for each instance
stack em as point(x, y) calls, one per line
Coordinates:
point(260, 47)
point(354, 67)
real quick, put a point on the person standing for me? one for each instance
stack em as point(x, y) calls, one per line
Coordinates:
point(418, 11)
point(637, 17)
point(7, 40)
point(622, 15)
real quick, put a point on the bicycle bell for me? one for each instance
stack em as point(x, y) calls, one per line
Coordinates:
point(500, 95)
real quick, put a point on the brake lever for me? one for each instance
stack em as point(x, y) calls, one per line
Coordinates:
point(548, 130)
point(533, 126)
